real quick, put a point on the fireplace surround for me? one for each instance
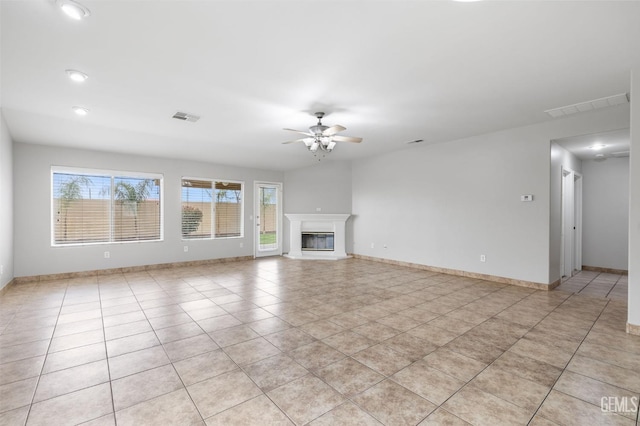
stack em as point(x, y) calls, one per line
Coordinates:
point(318, 224)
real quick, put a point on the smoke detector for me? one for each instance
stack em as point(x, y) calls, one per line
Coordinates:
point(186, 117)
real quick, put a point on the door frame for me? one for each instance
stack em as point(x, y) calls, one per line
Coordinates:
point(256, 219)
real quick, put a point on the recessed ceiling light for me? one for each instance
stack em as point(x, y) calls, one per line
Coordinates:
point(77, 76)
point(597, 147)
point(81, 111)
point(73, 9)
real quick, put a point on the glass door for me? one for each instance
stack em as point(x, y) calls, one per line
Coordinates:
point(268, 219)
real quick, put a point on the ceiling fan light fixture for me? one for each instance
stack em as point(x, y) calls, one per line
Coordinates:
point(73, 9)
point(597, 147)
point(321, 137)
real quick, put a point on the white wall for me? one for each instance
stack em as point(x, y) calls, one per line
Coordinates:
point(446, 204)
point(6, 204)
point(634, 203)
point(605, 213)
point(325, 186)
point(560, 159)
point(32, 184)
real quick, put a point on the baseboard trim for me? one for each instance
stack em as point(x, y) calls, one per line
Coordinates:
point(606, 270)
point(460, 273)
point(4, 289)
point(633, 329)
point(128, 269)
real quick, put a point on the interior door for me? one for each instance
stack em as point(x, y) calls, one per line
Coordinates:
point(577, 222)
point(568, 223)
point(268, 219)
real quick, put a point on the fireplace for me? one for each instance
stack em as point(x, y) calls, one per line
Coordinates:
point(317, 236)
point(317, 241)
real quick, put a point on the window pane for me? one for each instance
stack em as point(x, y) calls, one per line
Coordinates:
point(196, 208)
point(228, 209)
point(100, 208)
point(80, 208)
point(268, 218)
point(136, 209)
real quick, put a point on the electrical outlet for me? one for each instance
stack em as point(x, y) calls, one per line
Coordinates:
point(107, 255)
point(318, 209)
point(1, 269)
point(384, 246)
point(483, 258)
point(241, 245)
point(373, 245)
point(186, 249)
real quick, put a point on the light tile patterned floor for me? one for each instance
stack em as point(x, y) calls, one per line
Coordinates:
point(612, 286)
point(277, 341)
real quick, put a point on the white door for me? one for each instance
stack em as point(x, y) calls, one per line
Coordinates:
point(577, 222)
point(571, 252)
point(268, 215)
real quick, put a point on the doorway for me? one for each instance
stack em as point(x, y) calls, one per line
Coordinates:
point(268, 215)
point(571, 234)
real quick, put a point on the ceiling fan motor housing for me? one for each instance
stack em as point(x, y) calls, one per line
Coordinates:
point(318, 129)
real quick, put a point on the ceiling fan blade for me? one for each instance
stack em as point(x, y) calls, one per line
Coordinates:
point(299, 140)
point(339, 138)
point(333, 130)
point(300, 131)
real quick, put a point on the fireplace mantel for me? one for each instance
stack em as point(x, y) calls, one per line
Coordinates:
point(317, 222)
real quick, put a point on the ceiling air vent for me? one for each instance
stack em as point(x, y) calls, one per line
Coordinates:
point(621, 154)
point(622, 98)
point(186, 117)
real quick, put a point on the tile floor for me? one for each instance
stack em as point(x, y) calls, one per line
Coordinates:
point(612, 286)
point(277, 341)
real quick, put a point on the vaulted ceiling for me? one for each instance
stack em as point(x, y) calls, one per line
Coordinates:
point(389, 71)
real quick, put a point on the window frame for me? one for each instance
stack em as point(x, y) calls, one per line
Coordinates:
point(213, 182)
point(112, 174)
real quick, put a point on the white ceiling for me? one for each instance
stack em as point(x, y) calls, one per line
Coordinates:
point(616, 144)
point(389, 71)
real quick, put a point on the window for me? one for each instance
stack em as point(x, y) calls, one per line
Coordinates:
point(104, 207)
point(211, 209)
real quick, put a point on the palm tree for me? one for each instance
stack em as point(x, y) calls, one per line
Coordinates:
point(130, 196)
point(71, 190)
point(267, 196)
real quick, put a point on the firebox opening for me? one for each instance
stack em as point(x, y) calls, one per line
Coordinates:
point(317, 241)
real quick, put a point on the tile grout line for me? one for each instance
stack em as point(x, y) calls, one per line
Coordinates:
point(106, 353)
point(491, 363)
point(163, 348)
point(570, 359)
point(46, 356)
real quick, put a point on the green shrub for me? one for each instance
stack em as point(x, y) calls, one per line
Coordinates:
point(191, 218)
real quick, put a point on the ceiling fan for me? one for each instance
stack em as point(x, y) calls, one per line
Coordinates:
point(323, 137)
